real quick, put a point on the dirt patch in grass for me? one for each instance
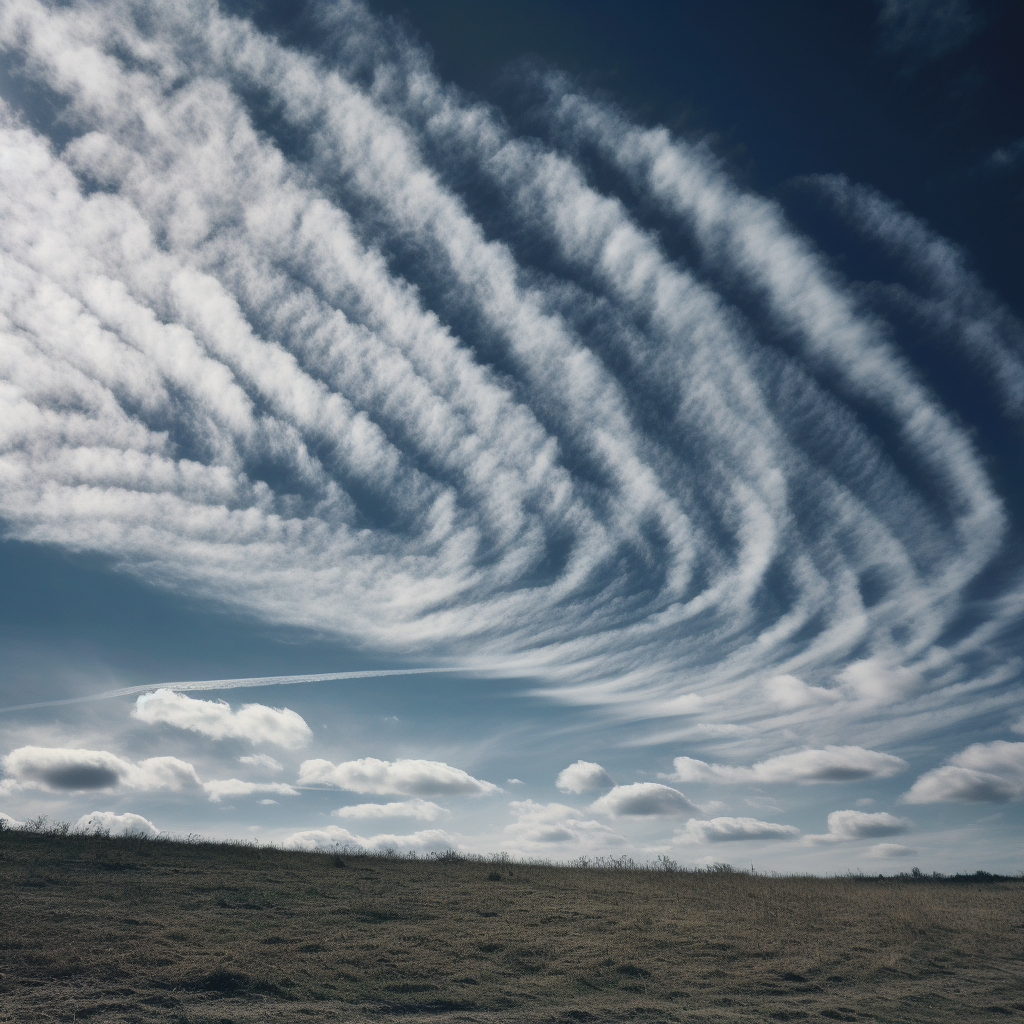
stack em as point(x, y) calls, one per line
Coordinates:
point(131, 930)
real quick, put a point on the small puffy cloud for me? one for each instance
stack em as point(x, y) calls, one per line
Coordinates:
point(830, 764)
point(540, 825)
point(874, 681)
point(218, 789)
point(642, 799)
point(884, 850)
point(62, 770)
point(982, 772)
point(425, 810)
point(256, 723)
point(262, 761)
point(431, 839)
point(116, 824)
point(865, 825)
point(406, 777)
point(725, 830)
point(844, 826)
point(515, 782)
point(583, 776)
point(790, 692)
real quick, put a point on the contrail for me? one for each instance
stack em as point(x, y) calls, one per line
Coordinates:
point(231, 684)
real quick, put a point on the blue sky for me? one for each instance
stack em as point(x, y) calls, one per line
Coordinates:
point(644, 390)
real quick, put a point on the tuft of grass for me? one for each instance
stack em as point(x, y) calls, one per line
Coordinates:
point(125, 929)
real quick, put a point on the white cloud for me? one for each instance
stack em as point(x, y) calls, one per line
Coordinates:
point(58, 769)
point(886, 850)
point(423, 809)
point(556, 828)
point(6, 821)
point(515, 782)
point(872, 680)
point(844, 826)
point(116, 824)
point(790, 692)
point(723, 830)
point(262, 761)
point(829, 764)
point(642, 799)
point(428, 840)
point(406, 776)
point(1018, 726)
point(582, 776)
point(256, 723)
point(218, 789)
point(982, 772)
point(211, 311)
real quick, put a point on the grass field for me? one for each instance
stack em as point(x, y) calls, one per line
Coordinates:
point(127, 929)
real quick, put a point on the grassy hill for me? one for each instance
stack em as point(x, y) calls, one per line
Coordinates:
point(129, 929)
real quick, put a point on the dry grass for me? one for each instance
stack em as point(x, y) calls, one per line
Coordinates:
point(137, 930)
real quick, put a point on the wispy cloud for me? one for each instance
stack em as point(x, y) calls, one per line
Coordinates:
point(312, 382)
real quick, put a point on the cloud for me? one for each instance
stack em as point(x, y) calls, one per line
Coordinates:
point(885, 850)
point(423, 809)
point(256, 723)
point(844, 826)
point(218, 789)
point(262, 761)
point(333, 836)
point(6, 821)
point(871, 679)
point(982, 772)
point(539, 827)
point(116, 824)
point(925, 30)
point(210, 376)
point(57, 770)
point(408, 777)
point(724, 830)
point(642, 799)
point(582, 776)
point(790, 692)
point(830, 764)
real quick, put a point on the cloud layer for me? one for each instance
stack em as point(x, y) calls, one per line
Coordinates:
point(262, 343)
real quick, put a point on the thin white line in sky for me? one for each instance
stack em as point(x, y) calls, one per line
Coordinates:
point(231, 684)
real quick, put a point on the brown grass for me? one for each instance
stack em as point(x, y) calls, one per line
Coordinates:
point(138, 930)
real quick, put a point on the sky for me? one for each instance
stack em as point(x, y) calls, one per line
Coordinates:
point(572, 430)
